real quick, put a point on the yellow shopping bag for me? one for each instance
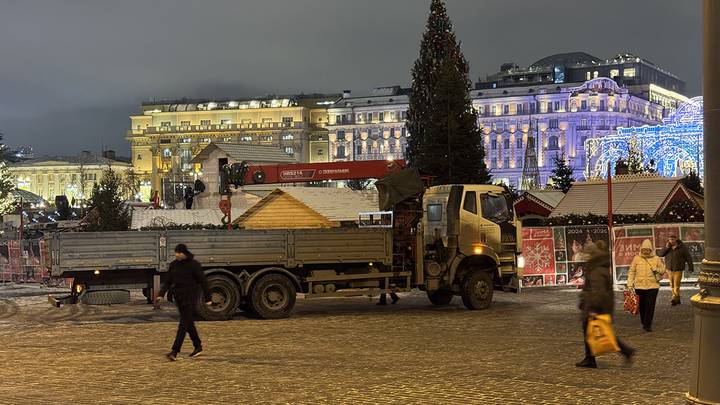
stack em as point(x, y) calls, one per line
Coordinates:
point(600, 335)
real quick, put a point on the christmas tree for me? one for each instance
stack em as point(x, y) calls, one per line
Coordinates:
point(444, 139)
point(635, 161)
point(7, 186)
point(110, 212)
point(562, 175)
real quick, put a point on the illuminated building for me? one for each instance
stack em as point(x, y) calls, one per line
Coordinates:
point(166, 135)
point(72, 176)
point(674, 148)
point(554, 119)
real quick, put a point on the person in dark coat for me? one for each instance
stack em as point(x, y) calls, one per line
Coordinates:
point(186, 279)
point(676, 256)
point(597, 297)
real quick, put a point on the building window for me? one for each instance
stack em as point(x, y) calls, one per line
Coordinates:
point(246, 138)
point(519, 108)
point(493, 144)
point(506, 144)
point(167, 152)
point(506, 109)
point(381, 116)
point(595, 74)
point(287, 121)
point(549, 107)
point(629, 72)
point(186, 140)
point(185, 123)
point(602, 105)
point(519, 162)
point(392, 132)
point(402, 132)
point(557, 106)
point(139, 157)
point(587, 75)
point(494, 110)
point(338, 119)
point(341, 152)
point(519, 143)
point(288, 137)
point(340, 136)
point(165, 124)
point(553, 143)
point(553, 124)
point(584, 123)
point(265, 138)
point(583, 105)
point(583, 139)
point(225, 122)
point(506, 162)
point(532, 108)
point(614, 73)
point(289, 150)
point(205, 123)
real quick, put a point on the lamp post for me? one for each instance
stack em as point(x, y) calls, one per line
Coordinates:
point(704, 387)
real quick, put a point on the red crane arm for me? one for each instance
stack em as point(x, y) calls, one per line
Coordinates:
point(306, 172)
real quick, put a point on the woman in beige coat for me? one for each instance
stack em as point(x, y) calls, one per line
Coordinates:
point(646, 271)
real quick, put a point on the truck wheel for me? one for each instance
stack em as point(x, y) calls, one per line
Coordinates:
point(440, 297)
point(106, 297)
point(225, 297)
point(477, 290)
point(272, 297)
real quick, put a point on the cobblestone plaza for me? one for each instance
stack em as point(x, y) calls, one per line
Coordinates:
point(522, 350)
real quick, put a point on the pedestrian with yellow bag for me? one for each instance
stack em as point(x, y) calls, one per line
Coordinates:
point(646, 271)
point(597, 301)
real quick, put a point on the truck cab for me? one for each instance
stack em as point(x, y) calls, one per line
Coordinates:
point(471, 243)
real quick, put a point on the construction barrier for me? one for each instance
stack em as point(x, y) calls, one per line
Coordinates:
point(23, 262)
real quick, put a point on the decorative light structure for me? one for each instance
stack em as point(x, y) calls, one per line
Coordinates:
point(674, 148)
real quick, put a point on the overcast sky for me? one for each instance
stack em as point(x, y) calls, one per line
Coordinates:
point(72, 71)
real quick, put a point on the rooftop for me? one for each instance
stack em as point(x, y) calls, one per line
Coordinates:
point(271, 101)
point(638, 194)
point(84, 159)
point(245, 152)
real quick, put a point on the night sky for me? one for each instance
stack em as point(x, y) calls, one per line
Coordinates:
point(71, 72)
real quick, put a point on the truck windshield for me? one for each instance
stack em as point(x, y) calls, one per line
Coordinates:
point(494, 208)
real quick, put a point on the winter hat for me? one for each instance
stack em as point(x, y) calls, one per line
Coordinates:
point(181, 248)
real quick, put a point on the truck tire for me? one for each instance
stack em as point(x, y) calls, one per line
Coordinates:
point(440, 297)
point(477, 290)
point(225, 296)
point(272, 296)
point(106, 297)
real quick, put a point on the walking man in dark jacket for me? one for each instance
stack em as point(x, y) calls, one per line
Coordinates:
point(676, 255)
point(597, 297)
point(186, 279)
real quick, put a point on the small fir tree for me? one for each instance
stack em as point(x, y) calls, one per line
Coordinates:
point(111, 213)
point(444, 139)
point(562, 174)
point(8, 203)
point(692, 182)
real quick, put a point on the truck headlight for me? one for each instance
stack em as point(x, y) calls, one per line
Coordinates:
point(520, 261)
point(79, 288)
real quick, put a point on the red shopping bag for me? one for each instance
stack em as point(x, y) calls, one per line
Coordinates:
point(631, 302)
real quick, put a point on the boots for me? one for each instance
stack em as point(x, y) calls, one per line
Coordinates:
point(675, 301)
point(587, 362)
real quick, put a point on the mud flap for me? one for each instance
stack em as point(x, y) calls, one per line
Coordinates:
point(57, 301)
